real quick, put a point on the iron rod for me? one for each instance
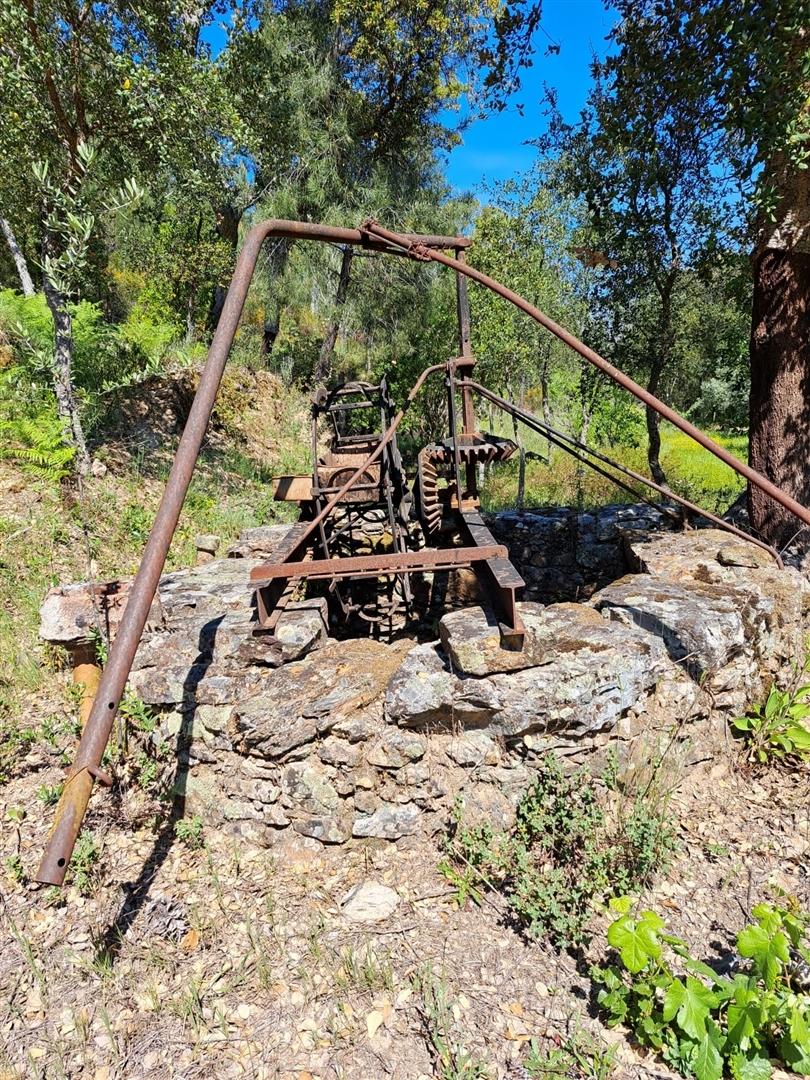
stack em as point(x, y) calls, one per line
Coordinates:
point(417, 251)
point(557, 437)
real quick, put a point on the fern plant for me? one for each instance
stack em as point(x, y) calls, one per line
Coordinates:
point(38, 444)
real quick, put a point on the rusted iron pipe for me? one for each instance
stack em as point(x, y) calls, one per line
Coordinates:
point(560, 439)
point(79, 782)
point(424, 254)
point(87, 675)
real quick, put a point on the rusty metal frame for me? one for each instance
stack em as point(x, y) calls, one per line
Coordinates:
point(371, 236)
point(79, 782)
point(400, 562)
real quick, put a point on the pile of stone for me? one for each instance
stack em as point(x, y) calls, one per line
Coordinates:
point(356, 738)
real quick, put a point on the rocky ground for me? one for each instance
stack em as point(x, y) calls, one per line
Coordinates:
point(233, 961)
point(183, 950)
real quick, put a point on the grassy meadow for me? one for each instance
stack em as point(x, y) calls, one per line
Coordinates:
point(691, 471)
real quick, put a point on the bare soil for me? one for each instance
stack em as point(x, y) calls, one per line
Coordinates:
point(232, 961)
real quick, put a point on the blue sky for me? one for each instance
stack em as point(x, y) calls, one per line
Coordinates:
point(495, 149)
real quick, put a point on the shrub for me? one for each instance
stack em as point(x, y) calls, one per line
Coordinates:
point(189, 831)
point(37, 443)
point(562, 856)
point(775, 730)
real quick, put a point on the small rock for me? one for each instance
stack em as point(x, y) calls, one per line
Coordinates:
point(338, 752)
point(365, 802)
point(396, 749)
point(234, 810)
point(389, 822)
point(207, 543)
point(473, 748)
point(275, 816)
point(369, 902)
point(309, 789)
point(365, 779)
point(335, 829)
point(357, 728)
point(413, 775)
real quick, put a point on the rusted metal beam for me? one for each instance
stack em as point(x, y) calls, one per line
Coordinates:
point(426, 254)
point(405, 562)
point(499, 578)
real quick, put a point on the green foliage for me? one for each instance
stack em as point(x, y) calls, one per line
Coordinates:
point(691, 471)
point(701, 1023)
point(579, 1055)
point(776, 731)
point(562, 856)
point(137, 712)
point(38, 444)
point(189, 831)
point(49, 794)
point(84, 863)
point(15, 869)
point(147, 767)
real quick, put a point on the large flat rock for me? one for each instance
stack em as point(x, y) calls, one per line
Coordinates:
point(472, 641)
point(299, 701)
point(701, 625)
point(585, 673)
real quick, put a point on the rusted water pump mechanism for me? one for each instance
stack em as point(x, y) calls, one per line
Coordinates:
point(432, 524)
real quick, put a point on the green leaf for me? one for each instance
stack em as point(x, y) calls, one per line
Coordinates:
point(769, 951)
point(772, 704)
point(622, 905)
point(744, 1017)
point(636, 940)
point(800, 737)
point(799, 1032)
point(745, 1067)
point(707, 1062)
point(673, 999)
point(696, 1001)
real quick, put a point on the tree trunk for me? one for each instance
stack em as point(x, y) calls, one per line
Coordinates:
point(546, 403)
point(66, 403)
point(779, 445)
point(227, 218)
point(662, 354)
point(323, 369)
point(19, 258)
point(270, 333)
point(520, 498)
point(275, 264)
point(191, 307)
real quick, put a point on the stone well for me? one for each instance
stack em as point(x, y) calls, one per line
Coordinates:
point(357, 738)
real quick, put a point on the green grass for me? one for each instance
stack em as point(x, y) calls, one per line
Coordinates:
point(691, 471)
point(48, 535)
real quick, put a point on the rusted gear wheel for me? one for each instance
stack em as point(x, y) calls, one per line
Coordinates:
point(430, 506)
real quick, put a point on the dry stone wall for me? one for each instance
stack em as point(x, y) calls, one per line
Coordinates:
point(356, 738)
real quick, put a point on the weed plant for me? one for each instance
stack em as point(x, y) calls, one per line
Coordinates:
point(776, 731)
point(567, 851)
